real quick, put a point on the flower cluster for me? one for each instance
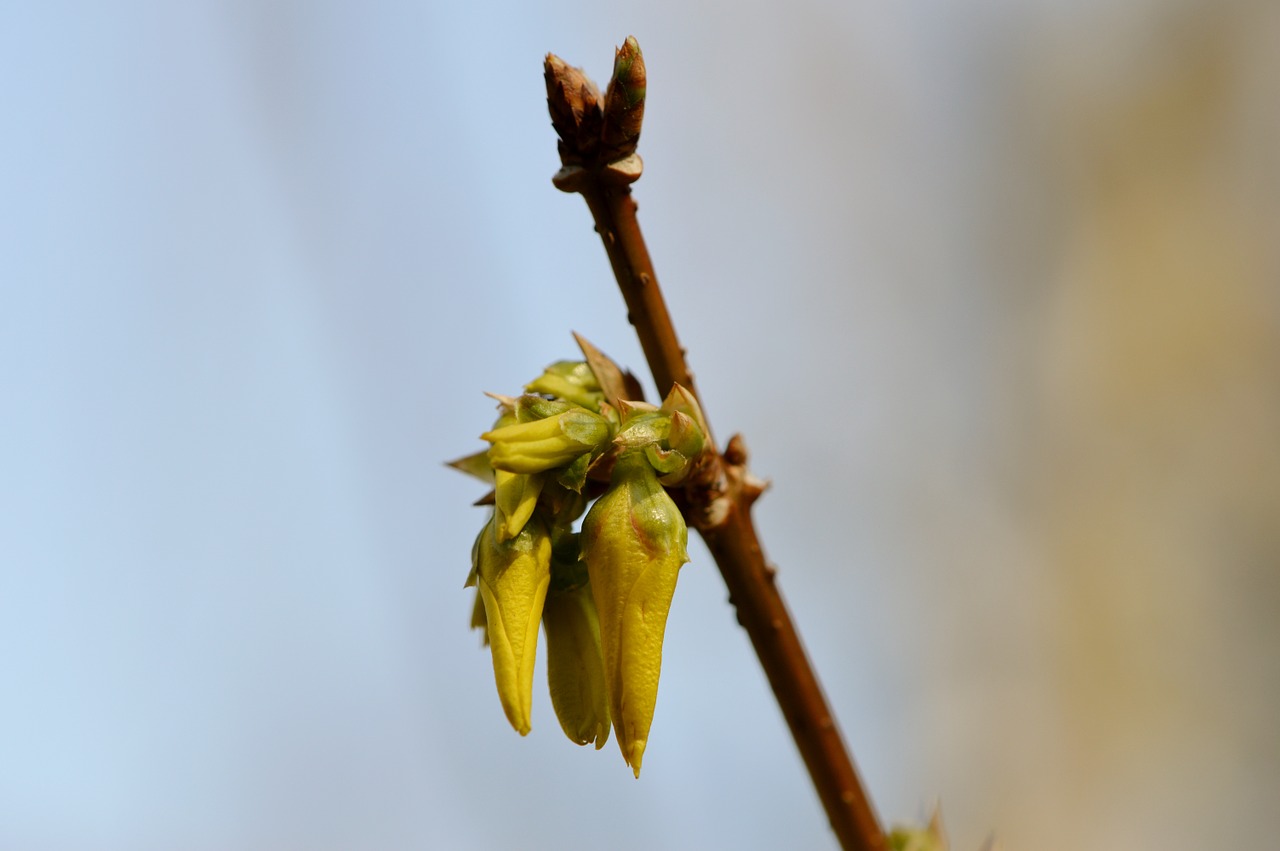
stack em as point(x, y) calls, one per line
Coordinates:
point(574, 444)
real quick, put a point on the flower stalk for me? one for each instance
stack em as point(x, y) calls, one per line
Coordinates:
point(717, 499)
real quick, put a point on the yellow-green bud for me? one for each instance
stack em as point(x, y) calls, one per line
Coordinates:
point(634, 542)
point(685, 436)
point(572, 381)
point(575, 666)
point(641, 425)
point(531, 447)
point(682, 399)
point(513, 579)
point(514, 498)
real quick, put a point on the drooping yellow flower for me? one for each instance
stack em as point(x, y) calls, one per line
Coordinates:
point(634, 542)
point(513, 577)
point(575, 665)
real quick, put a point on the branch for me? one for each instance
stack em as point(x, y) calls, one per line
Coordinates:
point(597, 149)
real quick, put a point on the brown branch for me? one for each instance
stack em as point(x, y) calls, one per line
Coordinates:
point(718, 502)
point(614, 212)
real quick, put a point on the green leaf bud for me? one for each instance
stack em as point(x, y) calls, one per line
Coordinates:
point(624, 102)
point(682, 399)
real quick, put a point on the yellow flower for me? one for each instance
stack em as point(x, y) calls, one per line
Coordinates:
point(513, 577)
point(634, 542)
point(575, 667)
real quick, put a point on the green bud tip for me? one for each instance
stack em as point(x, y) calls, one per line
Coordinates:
point(531, 447)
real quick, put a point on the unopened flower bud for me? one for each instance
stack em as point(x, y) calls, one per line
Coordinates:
point(531, 447)
point(513, 579)
point(575, 665)
point(634, 542)
point(571, 381)
point(514, 498)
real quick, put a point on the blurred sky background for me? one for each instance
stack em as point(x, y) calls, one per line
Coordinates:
point(992, 288)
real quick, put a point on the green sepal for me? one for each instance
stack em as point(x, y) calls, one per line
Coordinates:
point(682, 399)
point(476, 465)
point(574, 476)
point(643, 428)
point(667, 462)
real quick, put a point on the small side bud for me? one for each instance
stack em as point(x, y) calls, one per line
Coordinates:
point(685, 436)
point(681, 399)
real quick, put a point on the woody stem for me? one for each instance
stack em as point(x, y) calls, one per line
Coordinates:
point(731, 537)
